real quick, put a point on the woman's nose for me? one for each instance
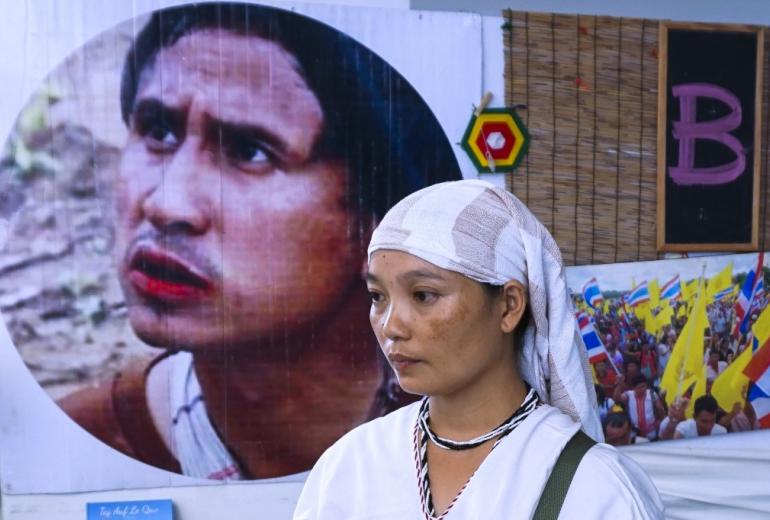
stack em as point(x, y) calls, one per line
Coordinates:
point(394, 324)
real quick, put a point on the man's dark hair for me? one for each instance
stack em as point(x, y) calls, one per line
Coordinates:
point(616, 420)
point(705, 403)
point(375, 121)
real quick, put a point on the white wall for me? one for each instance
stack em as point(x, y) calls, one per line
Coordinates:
point(739, 11)
point(397, 4)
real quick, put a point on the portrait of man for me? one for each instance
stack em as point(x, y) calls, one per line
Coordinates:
point(262, 147)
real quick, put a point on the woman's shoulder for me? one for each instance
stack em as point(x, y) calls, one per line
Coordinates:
point(387, 434)
point(403, 418)
point(549, 420)
point(617, 485)
point(371, 459)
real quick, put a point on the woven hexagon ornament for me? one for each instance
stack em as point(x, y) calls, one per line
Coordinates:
point(496, 140)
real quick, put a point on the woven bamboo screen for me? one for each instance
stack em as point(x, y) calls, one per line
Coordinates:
point(586, 88)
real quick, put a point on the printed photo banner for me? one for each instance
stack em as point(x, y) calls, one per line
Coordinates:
point(187, 202)
point(680, 348)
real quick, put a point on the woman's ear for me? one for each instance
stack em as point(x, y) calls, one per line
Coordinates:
point(515, 301)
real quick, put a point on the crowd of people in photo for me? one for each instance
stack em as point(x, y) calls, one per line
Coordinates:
point(633, 408)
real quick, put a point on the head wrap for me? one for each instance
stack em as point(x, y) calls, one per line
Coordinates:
point(485, 233)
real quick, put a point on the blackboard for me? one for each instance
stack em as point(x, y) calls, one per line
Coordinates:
point(709, 138)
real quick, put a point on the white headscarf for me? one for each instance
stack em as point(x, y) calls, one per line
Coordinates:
point(485, 233)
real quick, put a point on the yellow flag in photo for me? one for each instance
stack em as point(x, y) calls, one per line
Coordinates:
point(686, 359)
point(720, 281)
point(650, 323)
point(698, 391)
point(663, 318)
point(641, 310)
point(689, 290)
point(694, 359)
point(730, 386)
point(654, 290)
point(761, 327)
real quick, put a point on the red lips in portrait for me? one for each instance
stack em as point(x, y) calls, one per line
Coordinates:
point(161, 275)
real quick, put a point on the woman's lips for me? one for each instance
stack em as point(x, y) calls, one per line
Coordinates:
point(401, 362)
point(157, 274)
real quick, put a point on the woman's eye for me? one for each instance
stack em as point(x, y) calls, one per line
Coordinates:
point(375, 297)
point(425, 296)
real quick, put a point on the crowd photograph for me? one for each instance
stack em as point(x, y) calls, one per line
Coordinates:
point(680, 354)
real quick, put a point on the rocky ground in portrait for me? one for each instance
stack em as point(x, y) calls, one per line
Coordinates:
point(59, 294)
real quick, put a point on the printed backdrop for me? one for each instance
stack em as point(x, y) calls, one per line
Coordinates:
point(185, 218)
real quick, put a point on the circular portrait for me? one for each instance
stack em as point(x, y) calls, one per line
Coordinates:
point(189, 197)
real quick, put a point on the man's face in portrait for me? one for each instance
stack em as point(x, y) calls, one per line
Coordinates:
point(230, 229)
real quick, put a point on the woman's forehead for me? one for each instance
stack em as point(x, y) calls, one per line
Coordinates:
point(392, 259)
point(390, 263)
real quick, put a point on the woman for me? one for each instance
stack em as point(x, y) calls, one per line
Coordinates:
point(469, 304)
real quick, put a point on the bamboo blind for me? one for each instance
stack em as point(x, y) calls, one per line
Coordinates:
point(586, 88)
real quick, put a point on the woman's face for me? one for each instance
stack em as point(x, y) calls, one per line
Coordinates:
point(440, 331)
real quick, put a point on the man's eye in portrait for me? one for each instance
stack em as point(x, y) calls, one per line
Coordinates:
point(161, 129)
point(242, 149)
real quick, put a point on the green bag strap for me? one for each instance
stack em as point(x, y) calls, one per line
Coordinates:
point(556, 488)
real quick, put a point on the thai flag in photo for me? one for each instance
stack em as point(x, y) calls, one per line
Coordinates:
point(592, 294)
point(672, 290)
point(639, 294)
point(758, 369)
point(593, 343)
point(760, 401)
point(759, 292)
point(624, 323)
point(746, 296)
point(724, 293)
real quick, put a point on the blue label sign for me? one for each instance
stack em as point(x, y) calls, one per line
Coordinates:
point(134, 510)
